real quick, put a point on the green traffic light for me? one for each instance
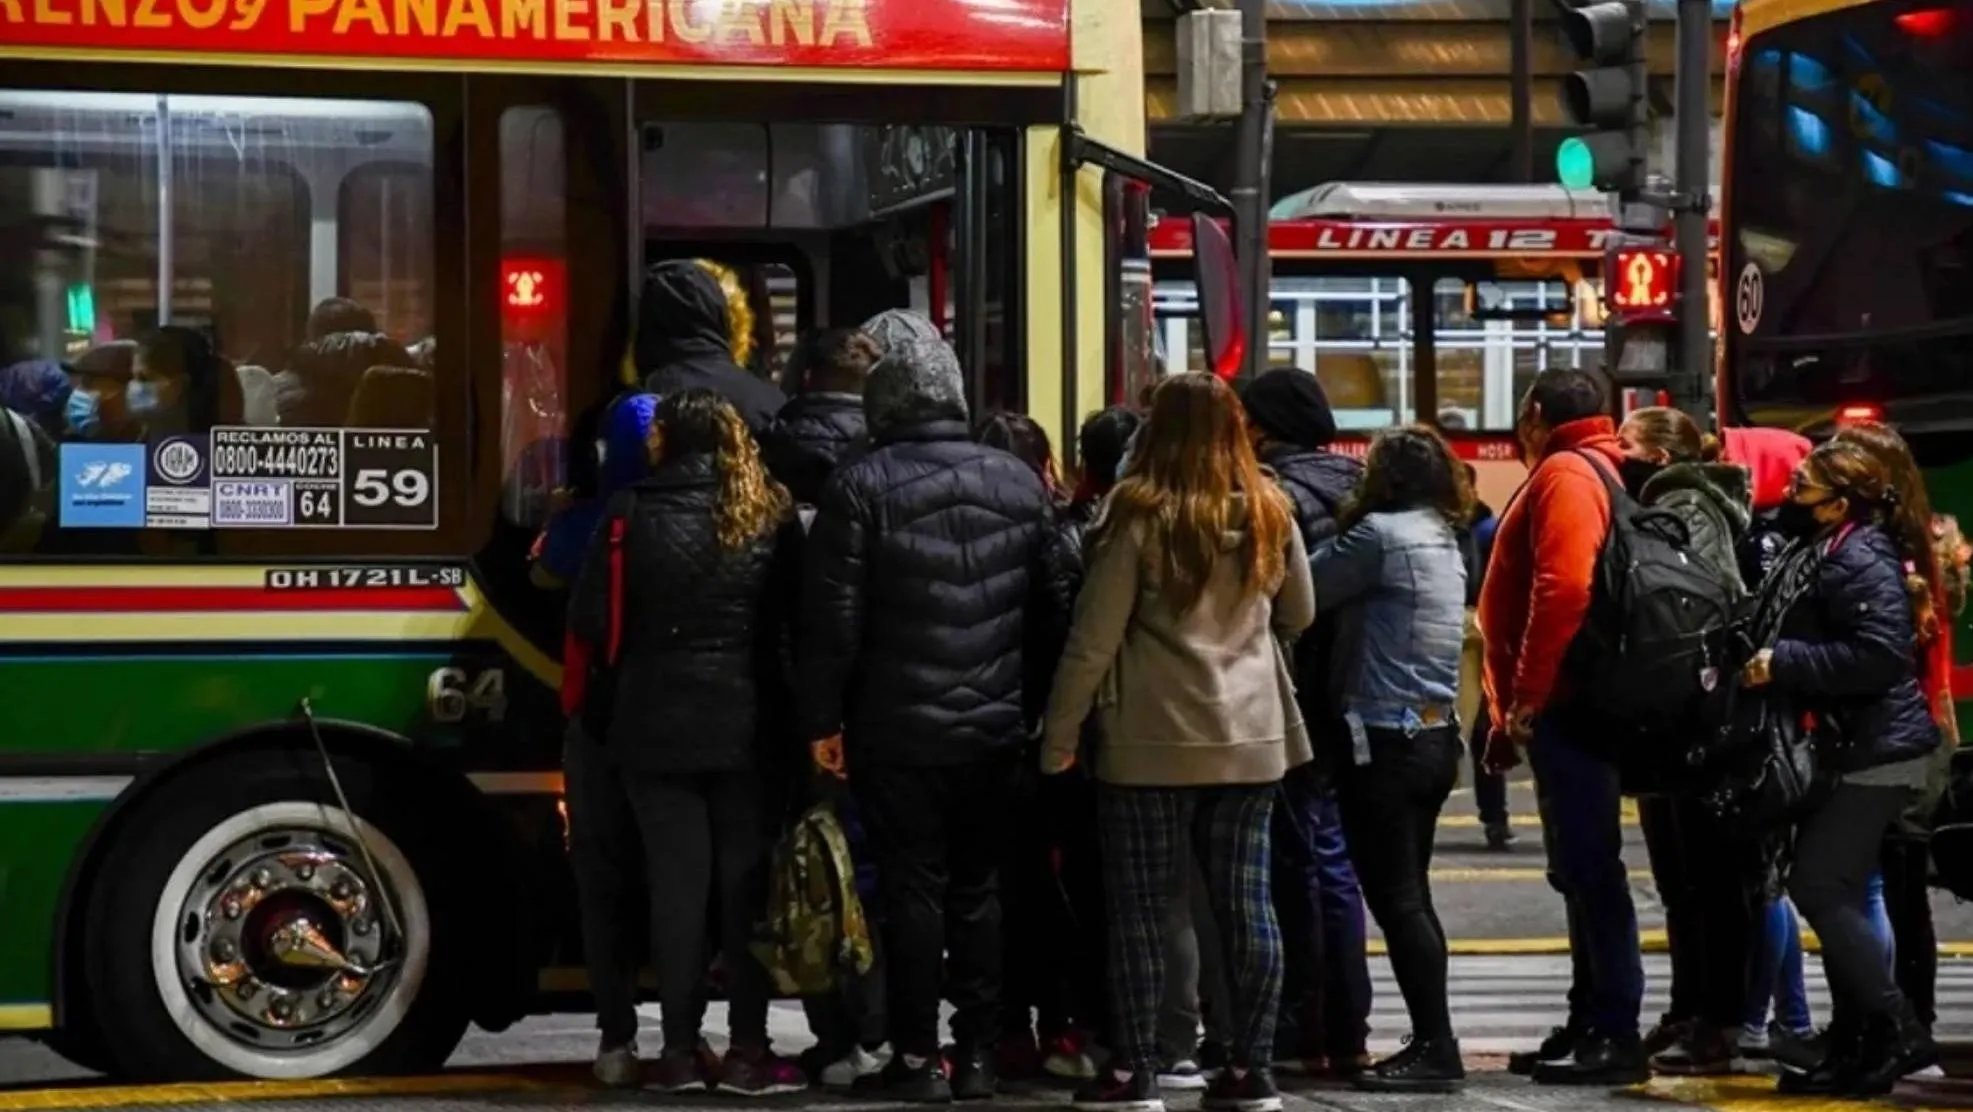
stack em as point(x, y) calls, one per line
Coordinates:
point(1575, 164)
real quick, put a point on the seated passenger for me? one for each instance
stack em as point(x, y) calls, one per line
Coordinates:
point(96, 408)
point(339, 314)
point(178, 384)
point(39, 390)
point(323, 374)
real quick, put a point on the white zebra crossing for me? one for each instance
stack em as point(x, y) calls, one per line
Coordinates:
point(1503, 1004)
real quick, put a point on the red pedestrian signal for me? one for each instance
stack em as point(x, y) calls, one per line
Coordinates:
point(1642, 282)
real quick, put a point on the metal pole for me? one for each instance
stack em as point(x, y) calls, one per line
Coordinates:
point(1520, 53)
point(1250, 189)
point(1693, 102)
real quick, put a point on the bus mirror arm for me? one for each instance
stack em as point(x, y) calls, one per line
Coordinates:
point(1079, 150)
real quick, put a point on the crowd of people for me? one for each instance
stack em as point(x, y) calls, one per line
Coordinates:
point(1126, 753)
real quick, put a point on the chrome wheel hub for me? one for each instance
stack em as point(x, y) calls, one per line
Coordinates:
point(281, 941)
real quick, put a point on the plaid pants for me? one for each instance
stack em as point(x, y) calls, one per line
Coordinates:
point(1144, 832)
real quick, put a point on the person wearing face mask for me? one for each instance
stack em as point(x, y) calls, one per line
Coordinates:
point(1856, 599)
point(1532, 605)
point(1704, 872)
point(95, 408)
point(178, 384)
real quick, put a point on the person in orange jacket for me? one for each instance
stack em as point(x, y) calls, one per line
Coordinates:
point(1534, 600)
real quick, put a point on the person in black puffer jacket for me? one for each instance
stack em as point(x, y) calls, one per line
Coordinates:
point(824, 422)
point(698, 597)
point(1859, 597)
point(927, 580)
point(1325, 994)
point(684, 342)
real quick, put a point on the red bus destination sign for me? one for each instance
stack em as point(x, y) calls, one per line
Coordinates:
point(971, 35)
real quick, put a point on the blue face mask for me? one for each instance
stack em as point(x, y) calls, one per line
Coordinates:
point(141, 398)
point(83, 412)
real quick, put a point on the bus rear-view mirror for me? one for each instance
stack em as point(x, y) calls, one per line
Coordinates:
point(1546, 299)
point(1217, 278)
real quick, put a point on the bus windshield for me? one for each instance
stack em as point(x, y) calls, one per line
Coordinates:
point(1852, 216)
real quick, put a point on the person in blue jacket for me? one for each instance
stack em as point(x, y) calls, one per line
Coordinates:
point(621, 435)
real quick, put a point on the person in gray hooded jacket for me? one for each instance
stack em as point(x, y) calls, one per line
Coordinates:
point(928, 580)
point(1707, 876)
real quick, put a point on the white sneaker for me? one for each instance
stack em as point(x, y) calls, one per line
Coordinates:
point(618, 1067)
point(858, 1063)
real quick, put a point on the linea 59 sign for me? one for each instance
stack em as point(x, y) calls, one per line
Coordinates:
point(1018, 35)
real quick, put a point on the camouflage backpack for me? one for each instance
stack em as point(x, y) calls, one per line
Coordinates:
point(813, 938)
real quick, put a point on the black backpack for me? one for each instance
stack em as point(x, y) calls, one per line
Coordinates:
point(1657, 638)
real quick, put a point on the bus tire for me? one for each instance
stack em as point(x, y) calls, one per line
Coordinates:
point(235, 929)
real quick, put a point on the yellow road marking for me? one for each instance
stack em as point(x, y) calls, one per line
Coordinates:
point(1749, 1094)
point(123, 1096)
point(1507, 875)
point(26, 1017)
point(1649, 942)
point(1526, 821)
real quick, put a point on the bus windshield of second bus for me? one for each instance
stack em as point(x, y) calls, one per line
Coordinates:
point(1416, 302)
point(1850, 186)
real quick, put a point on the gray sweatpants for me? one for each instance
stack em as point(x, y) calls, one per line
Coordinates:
point(1195, 969)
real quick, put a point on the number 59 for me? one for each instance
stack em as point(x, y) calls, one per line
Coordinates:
point(374, 486)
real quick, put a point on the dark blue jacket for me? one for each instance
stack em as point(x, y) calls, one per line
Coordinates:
point(1846, 650)
point(1319, 482)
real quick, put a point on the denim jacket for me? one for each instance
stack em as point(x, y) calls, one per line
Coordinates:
point(1400, 577)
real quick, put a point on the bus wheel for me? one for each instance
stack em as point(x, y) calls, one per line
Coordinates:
point(243, 925)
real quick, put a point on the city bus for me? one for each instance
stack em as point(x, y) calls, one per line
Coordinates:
point(1848, 221)
point(279, 736)
point(1419, 302)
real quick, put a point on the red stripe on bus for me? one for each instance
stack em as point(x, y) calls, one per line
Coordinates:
point(214, 600)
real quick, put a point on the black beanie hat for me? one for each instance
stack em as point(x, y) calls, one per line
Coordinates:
point(1288, 404)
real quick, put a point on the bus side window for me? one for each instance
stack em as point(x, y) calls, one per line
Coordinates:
point(1484, 366)
point(179, 275)
point(1357, 333)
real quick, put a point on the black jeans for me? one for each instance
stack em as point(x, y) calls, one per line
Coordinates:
point(1390, 816)
point(1837, 847)
point(1051, 896)
point(607, 857)
point(705, 838)
point(1908, 901)
point(1489, 788)
point(1708, 879)
point(938, 834)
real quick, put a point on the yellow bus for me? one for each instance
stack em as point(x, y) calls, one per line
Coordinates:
point(279, 741)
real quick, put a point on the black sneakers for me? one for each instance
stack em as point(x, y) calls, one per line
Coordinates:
point(922, 1082)
point(1599, 1062)
point(1237, 1090)
point(1423, 1066)
point(1113, 1091)
point(973, 1074)
point(1560, 1043)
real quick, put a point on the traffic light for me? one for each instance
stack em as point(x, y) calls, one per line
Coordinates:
point(1607, 96)
point(1640, 295)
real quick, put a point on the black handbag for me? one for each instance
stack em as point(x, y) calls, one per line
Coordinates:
point(1760, 763)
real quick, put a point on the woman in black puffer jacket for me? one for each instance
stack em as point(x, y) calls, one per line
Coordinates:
point(1860, 575)
point(698, 599)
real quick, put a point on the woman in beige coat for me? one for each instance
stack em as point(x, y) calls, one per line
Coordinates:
point(1196, 578)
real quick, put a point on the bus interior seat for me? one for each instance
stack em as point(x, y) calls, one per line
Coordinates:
point(393, 398)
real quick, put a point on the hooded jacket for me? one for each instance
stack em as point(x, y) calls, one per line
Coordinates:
point(810, 438)
point(706, 630)
point(1770, 456)
point(1317, 482)
point(1538, 581)
point(1713, 501)
point(1184, 698)
point(682, 343)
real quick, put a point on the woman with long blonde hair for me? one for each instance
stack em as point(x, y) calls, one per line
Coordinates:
point(1196, 578)
point(686, 596)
